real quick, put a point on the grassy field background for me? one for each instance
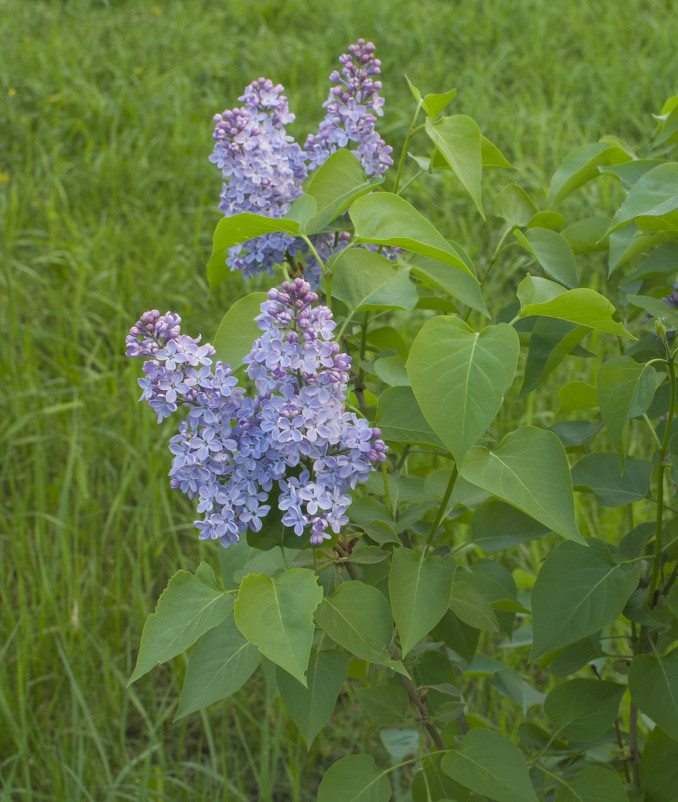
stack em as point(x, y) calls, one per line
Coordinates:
point(107, 208)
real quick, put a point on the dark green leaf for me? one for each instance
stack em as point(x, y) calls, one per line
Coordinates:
point(578, 591)
point(220, 664)
point(584, 709)
point(401, 420)
point(457, 635)
point(659, 767)
point(384, 705)
point(575, 656)
point(600, 473)
point(457, 284)
point(593, 784)
point(653, 682)
point(354, 778)
point(311, 707)
point(471, 607)
point(489, 764)
point(497, 525)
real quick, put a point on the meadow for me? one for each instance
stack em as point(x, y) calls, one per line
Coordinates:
point(107, 208)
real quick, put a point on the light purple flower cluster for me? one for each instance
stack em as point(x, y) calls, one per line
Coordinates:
point(293, 440)
point(263, 168)
point(351, 108)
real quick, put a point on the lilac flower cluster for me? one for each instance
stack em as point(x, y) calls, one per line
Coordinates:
point(351, 108)
point(263, 168)
point(294, 439)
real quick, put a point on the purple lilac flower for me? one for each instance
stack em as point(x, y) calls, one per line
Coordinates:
point(293, 443)
point(263, 168)
point(352, 104)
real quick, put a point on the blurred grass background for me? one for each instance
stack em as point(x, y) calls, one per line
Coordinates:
point(107, 208)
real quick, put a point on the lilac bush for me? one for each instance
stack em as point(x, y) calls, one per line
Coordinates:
point(293, 438)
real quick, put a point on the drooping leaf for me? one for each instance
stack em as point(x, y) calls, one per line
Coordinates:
point(457, 284)
point(357, 617)
point(652, 202)
point(593, 784)
point(581, 165)
point(354, 778)
point(600, 473)
point(387, 219)
point(401, 420)
point(190, 605)
point(311, 707)
point(552, 252)
point(238, 330)
point(625, 390)
point(489, 764)
point(497, 525)
point(220, 664)
point(236, 230)
point(529, 470)
point(659, 767)
point(420, 588)
point(459, 377)
point(653, 682)
point(384, 705)
point(276, 615)
point(582, 306)
point(457, 138)
point(578, 591)
point(584, 709)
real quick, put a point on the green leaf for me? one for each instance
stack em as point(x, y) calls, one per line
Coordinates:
point(515, 206)
point(392, 370)
point(383, 218)
point(663, 259)
point(459, 377)
point(652, 202)
point(653, 682)
point(401, 420)
point(659, 767)
point(471, 607)
point(357, 617)
point(434, 102)
point(489, 764)
point(337, 183)
point(277, 616)
point(625, 390)
point(236, 230)
point(400, 743)
point(575, 656)
point(577, 395)
point(584, 709)
point(495, 583)
point(312, 706)
point(587, 235)
point(457, 635)
point(420, 588)
point(354, 778)
point(220, 664)
point(238, 330)
point(580, 166)
point(457, 138)
point(600, 473)
point(497, 525)
point(528, 469)
point(583, 306)
point(431, 784)
point(656, 308)
point(491, 155)
point(552, 252)
point(578, 591)
point(384, 705)
point(593, 784)
point(548, 220)
point(190, 605)
point(364, 281)
point(551, 340)
point(629, 242)
point(629, 172)
point(455, 283)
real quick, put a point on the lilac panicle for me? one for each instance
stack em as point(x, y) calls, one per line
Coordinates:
point(293, 443)
point(263, 168)
point(352, 104)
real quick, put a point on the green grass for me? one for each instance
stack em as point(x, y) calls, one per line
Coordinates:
point(108, 204)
